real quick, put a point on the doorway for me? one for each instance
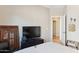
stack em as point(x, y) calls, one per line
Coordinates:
point(59, 29)
point(56, 29)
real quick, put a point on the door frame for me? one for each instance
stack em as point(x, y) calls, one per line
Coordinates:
point(65, 28)
point(51, 23)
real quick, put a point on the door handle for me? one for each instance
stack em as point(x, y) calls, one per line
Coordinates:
point(64, 32)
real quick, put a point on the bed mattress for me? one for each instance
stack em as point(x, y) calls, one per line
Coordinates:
point(48, 47)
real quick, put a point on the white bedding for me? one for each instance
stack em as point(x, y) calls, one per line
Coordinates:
point(48, 47)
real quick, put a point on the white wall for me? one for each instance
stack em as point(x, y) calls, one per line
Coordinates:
point(73, 11)
point(26, 16)
point(57, 10)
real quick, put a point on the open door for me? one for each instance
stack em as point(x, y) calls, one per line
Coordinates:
point(63, 28)
point(59, 29)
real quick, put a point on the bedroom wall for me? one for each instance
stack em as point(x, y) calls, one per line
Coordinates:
point(73, 11)
point(56, 12)
point(26, 16)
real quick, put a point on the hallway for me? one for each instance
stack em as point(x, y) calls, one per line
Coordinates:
point(56, 39)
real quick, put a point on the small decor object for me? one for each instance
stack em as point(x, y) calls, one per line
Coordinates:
point(72, 26)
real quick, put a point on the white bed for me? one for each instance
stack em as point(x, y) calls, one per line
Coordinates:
point(48, 47)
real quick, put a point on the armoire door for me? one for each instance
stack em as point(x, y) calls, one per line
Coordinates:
point(13, 38)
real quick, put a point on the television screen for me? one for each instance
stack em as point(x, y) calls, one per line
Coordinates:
point(31, 31)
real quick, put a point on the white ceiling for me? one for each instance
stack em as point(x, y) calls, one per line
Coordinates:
point(54, 6)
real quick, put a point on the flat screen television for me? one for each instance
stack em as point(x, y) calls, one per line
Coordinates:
point(32, 31)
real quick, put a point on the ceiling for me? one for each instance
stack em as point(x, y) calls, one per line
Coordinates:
point(54, 6)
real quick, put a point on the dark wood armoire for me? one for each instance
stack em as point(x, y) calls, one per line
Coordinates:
point(10, 34)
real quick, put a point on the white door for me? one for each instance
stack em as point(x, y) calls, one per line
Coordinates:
point(62, 29)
